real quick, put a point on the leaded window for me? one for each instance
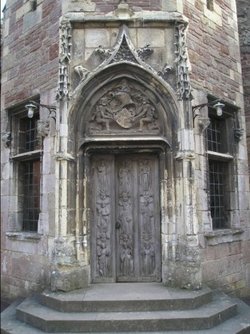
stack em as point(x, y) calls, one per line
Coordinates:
point(26, 155)
point(220, 149)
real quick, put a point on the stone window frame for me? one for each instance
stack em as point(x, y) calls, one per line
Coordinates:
point(225, 157)
point(17, 158)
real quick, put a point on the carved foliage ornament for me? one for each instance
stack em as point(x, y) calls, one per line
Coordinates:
point(124, 53)
point(65, 58)
point(103, 218)
point(183, 82)
point(124, 50)
point(124, 108)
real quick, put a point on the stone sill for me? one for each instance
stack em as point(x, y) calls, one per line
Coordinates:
point(27, 155)
point(222, 236)
point(24, 236)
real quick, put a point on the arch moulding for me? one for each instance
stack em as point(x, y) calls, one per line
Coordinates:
point(123, 116)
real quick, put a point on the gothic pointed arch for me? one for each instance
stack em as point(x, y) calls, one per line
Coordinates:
point(124, 100)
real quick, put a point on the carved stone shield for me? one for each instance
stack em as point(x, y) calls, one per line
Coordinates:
point(126, 106)
point(124, 118)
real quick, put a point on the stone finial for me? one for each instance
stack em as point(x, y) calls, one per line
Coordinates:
point(123, 11)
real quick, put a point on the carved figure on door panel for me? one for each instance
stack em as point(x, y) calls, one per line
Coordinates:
point(145, 175)
point(126, 254)
point(124, 202)
point(148, 256)
point(102, 176)
point(103, 254)
point(147, 212)
point(103, 207)
point(125, 177)
point(103, 211)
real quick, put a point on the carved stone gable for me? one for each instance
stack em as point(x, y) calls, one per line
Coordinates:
point(124, 108)
point(124, 53)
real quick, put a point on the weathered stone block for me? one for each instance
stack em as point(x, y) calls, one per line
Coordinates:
point(31, 19)
point(71, 278)
point(78, 6)
point(97, 37)
point(78, 43)
point(156, 39)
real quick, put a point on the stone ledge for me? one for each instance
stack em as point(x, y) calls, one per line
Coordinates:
point(24, 236)
point(223, 236)
point(144, 16)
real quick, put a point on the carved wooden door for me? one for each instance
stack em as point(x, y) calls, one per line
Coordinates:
point(125, 218)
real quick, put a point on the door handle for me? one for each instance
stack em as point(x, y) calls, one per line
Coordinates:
point(117, 225)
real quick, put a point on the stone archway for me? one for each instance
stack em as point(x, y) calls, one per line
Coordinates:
point(127, 122)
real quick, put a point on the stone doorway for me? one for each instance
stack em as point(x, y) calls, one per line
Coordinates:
point(125, 217)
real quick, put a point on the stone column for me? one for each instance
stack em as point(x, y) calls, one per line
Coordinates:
point(67, 273)
point(184, 267)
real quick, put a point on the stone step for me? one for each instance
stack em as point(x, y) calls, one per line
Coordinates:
point(126, 297)
point(49, 320)
point(239, 324)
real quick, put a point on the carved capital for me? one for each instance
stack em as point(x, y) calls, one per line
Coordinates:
point(185, 155)
point(60, 156)
point(203, 123)
point(42, 128)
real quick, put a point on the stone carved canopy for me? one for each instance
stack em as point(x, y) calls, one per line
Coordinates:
point(124, 108)
point(123, 102)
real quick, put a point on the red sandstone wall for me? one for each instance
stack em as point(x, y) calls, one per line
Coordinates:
point(243, 7)
point(110, 5)
point(213, 48)
point(30, 52)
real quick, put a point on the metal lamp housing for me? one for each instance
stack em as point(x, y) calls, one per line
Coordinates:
point(31, 108)
point(218, 106)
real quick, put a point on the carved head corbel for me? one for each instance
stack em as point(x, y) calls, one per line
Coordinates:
point(6, 139)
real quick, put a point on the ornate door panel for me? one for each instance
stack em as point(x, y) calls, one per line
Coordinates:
point(102, 196)
point(126, 222)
